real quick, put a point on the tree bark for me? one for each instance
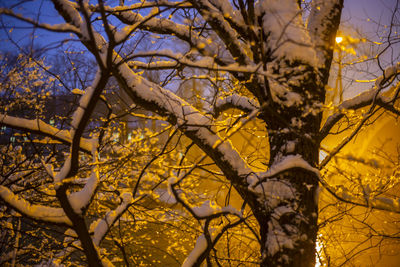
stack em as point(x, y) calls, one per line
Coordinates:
point(288, 224)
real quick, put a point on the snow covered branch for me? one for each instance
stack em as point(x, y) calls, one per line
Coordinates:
point(372, 202)
point(233, 17)
point(69, 10)
point(375, 96)
point(36, 212)
point(205, 242)
point(145, 4)
point(167, 26)
point(40, 127)
point(287, 163)
point(288, 37)
point(66, 27)
point(208, 210)
point(224, 30)
point(81, 199)
point(80, 118)
point(323, 23)
point(208, 63)
point(234, 101)
point(100, 227)
point(180, 113)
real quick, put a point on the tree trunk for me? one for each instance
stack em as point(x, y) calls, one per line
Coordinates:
point(289, 213)
point(288, 231)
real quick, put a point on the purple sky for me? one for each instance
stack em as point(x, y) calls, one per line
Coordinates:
point(355, 12)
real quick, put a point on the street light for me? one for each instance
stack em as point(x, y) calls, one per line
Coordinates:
point(339, 83)
point(339, 39)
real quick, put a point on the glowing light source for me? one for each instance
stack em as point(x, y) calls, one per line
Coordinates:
point(339, 39)
point(318, 252)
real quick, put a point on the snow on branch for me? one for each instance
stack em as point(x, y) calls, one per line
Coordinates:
point(144, 4)
point(102, 226)
point(167, 26)
point(261, 182)
point(289, 162)
point(288, 38)
point(40, 127)
point(69, 11)
point(208, 63)
point(80, 118)
point(233, 17)
point(221, 26)
point(322, 25)
point(373, 202)
point(65, 27)
point(205, 242)
point(81, 199)
point(211, 209)
point(36, 212)
point(184, 116)
point(88, 36)
point(374, 96)
point(199, 248)
point(207, 210)
point(235, 101)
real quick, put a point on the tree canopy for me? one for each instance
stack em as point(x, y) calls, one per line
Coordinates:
point(197, 132)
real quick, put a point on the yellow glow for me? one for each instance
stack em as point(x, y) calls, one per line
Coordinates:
point(339, 39)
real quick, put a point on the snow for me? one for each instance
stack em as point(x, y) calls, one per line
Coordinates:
point(62, 174)
point(288, 36)
point(275, 191)
point(38, 125)
point(238, 101)
point(288, 162)
point(101, 226)
point(363, 99)
point(77, 91)
point(187, 117)
point(209, 208)
point(284, 235)
point(68, 7)
point(199, 248)
point(281, 94)
point(277, 238)
point(81, 199)
point(49, 214)
point(387, 74)
point(225, 147)
point(204, 63)
point(319, 21)
point(166, 195)
point(290, 146)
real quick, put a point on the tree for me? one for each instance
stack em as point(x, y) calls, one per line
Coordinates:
point(270, 61)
